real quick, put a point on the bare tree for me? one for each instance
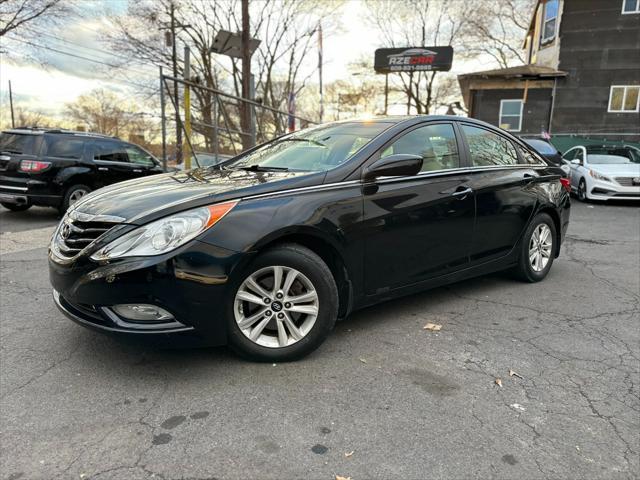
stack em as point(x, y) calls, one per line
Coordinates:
point(17, 14)
point(420, 23)
point(103, 111)
point(286, 29)
point(498, 30)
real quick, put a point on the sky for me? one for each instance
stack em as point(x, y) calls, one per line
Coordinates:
point(48, 88)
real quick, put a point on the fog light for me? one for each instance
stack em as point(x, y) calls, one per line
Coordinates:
point(141, 312)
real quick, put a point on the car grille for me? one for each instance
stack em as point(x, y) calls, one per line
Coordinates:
point(625, 181)
point(74, 235)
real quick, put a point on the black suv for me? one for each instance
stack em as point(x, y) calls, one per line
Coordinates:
point(57, 167)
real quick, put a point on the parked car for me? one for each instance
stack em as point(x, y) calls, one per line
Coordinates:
point(55, 168)
point(545, 148)
point(204, 160)
point(268, 251)
point(604, 172)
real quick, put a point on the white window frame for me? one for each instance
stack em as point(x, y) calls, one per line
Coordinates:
point(545, 40)
point(630, 12)
point(500, 115)
point(624, 98)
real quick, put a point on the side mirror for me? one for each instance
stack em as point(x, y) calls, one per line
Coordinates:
point(575, 161)
point(398, 165)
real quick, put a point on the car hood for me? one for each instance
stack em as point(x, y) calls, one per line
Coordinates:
point(616, 169)
point(141, 200)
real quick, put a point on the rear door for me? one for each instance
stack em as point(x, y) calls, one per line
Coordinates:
point(418, 227)
point(504, 198)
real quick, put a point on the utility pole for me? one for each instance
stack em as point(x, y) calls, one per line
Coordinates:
point(246, 77)
point(187, 106)
point(174, 59)
point(13, 119)
point(320, 53)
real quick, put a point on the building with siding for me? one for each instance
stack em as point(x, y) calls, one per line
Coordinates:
point(582, 77)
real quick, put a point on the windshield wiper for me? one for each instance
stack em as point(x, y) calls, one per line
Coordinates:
point(265, 168)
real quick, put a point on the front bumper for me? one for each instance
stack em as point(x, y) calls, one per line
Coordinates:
point(191, 284)
point(599, 190)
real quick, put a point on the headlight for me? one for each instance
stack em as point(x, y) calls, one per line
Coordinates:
point(599, 176)
point(165, 234)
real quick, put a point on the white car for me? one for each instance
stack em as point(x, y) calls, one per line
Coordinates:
point(602, 172)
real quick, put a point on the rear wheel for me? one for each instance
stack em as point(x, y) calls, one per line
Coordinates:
point(72, 195)
point(537, 250)
point(14, 207)
point(284, 305)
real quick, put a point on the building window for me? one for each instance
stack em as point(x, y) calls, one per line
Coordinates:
point(624, 98)
point(549, 21)
point(630, 6)
point(510, 115)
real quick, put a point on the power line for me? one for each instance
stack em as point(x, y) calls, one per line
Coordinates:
point(93, 49)
point(70, 54)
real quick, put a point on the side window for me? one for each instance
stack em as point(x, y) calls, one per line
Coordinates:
point(579, 155)
point(65, 147)
point(570, 155)
point(436, 144)
point(110, 152)
point(139, 156)
point(530, 158)
point(488, 149)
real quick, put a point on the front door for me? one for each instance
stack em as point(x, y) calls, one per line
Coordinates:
point(418, 227)
point(112, 162)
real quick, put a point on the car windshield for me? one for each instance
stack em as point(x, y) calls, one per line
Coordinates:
point(313, 150)
point(611, 155)
point(541, 146)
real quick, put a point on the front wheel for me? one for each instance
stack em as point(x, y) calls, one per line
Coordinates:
point(537, 250)
point(582, 190)
point(14, 207)
point(284, 306)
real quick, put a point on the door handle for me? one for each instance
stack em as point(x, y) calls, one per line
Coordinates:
point(461, 194)
point(103, 169)
point(137, 170)
point(528, 177)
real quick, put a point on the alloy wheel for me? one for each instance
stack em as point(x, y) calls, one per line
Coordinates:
point(276, 306)
point(582, 191)
point(540, 247)
point(77, 195)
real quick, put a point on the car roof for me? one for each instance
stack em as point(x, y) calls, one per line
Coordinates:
point(62, 131)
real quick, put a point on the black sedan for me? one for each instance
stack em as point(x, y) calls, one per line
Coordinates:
point(265, 251)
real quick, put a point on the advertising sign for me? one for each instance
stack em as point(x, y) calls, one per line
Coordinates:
point(389, 60)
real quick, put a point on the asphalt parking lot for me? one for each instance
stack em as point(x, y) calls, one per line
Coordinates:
point(382, 398)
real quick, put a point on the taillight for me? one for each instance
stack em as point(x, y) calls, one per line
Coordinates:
point(33, 166)
point(566, 183)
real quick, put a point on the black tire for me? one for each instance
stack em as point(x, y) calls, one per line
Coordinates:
point(525, 270)
point(69, 195)
point(582, 191)
point(316, 271)
point(14, 207)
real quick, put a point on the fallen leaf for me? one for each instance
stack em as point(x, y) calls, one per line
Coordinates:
point(363, 360)
point(339, 477)
point(348, 454)
point(432, 327)
point(517, 406)
point(514, 374)
point(499, 382)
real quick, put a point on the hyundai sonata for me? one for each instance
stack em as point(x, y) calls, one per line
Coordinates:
point(267, 250)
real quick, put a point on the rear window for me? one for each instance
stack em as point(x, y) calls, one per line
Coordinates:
point(18, 143)
point(64, 146)
point(541, 146)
